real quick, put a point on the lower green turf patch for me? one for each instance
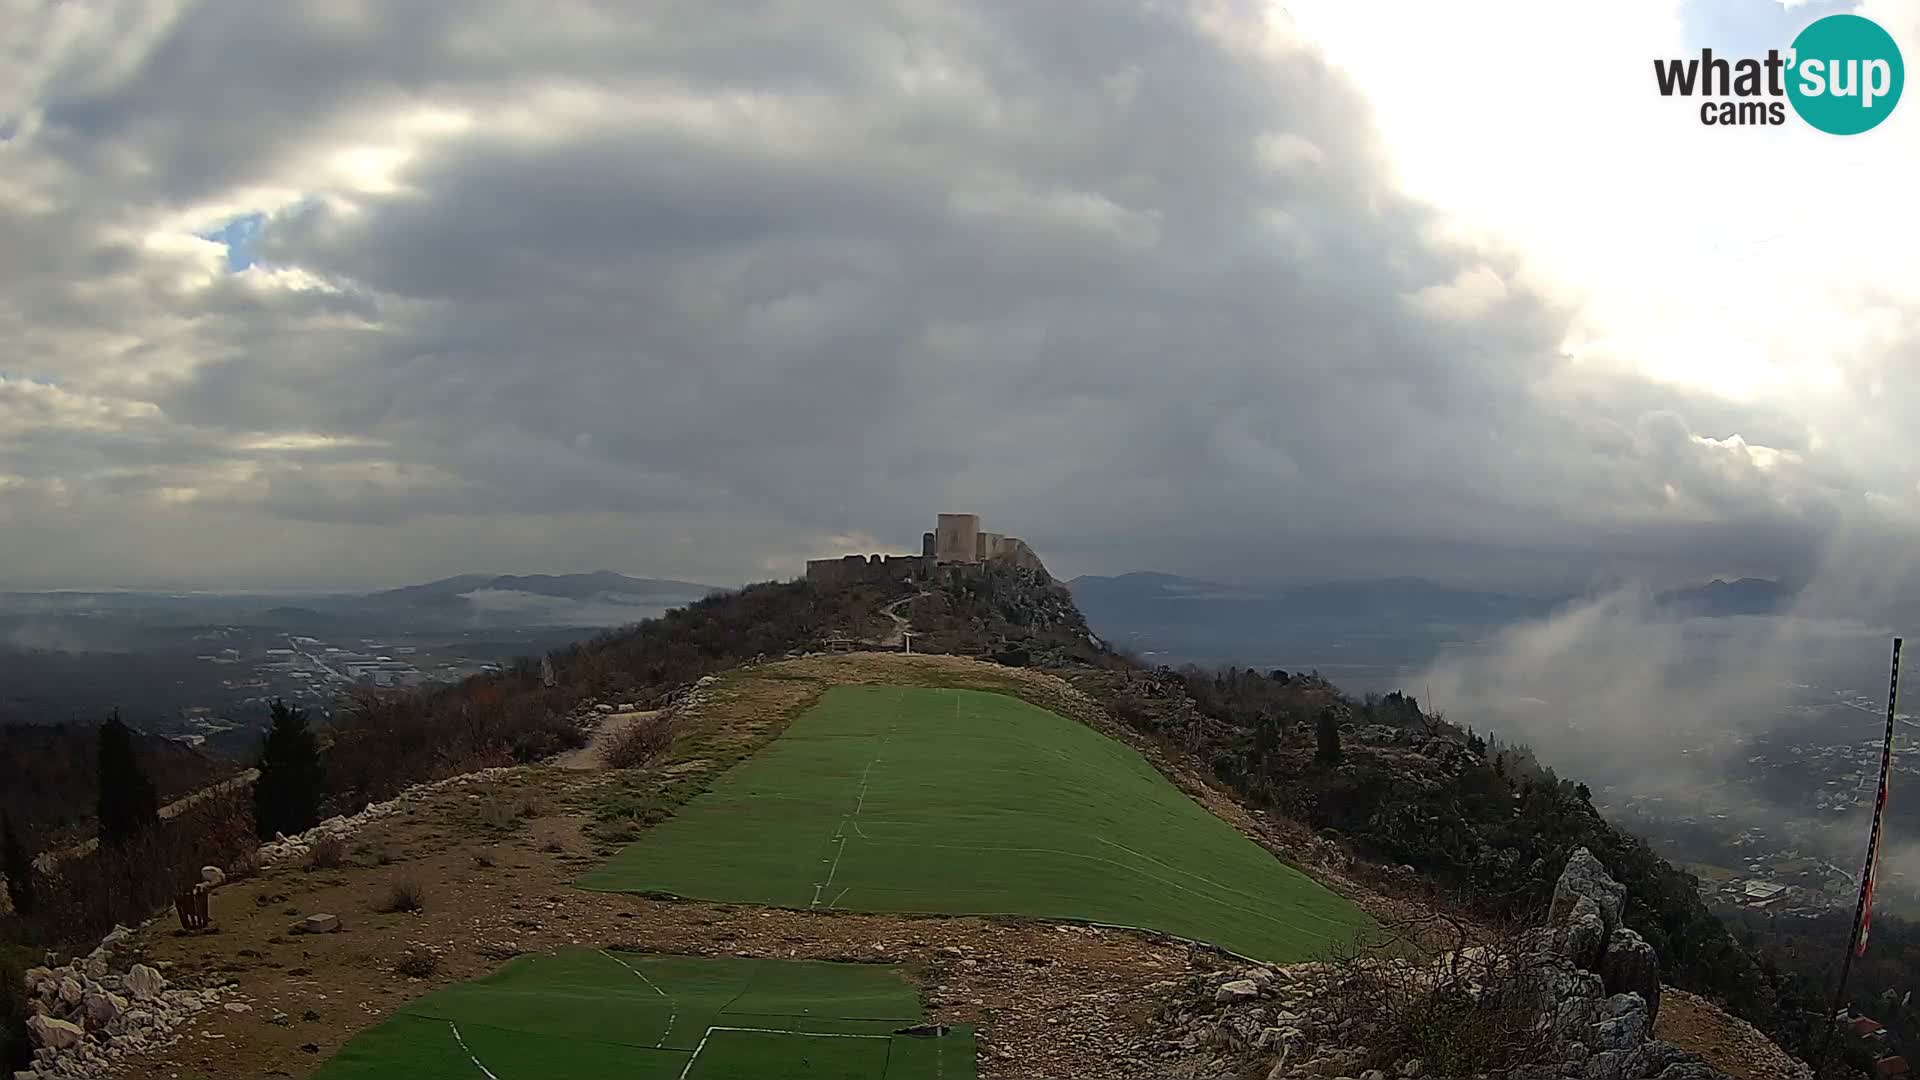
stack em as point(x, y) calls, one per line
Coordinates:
point(965, 802)
point(585, 1014)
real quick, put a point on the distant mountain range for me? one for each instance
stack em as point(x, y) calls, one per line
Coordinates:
point(1170, 598)
point(455, 591)
point(1359, 631)
point(1363, 633)
point(1747, 596)
point(117, 620)
point(600, 598)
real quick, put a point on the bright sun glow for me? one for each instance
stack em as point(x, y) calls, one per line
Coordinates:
point(1722, 259)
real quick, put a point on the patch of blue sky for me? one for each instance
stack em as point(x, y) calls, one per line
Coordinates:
point(240, 236)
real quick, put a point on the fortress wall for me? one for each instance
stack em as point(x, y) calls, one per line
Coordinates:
point(850, 569)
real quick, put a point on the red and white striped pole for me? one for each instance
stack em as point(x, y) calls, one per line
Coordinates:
point(1863, 912)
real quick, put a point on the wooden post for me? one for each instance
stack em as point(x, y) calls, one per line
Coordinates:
point(191, 904)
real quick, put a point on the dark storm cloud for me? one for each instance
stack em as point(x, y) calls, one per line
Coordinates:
point(1134, 281)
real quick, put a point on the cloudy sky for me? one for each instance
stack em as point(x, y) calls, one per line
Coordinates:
point(358, 293)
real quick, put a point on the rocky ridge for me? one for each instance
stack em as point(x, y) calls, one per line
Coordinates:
point(1584, 989)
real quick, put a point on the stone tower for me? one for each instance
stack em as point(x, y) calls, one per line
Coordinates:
point(956, 538)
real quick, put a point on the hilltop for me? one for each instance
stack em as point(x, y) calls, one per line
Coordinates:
point(1417, 822)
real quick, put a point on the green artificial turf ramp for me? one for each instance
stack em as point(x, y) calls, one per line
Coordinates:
point(768, 1053)
point(965, 802)
point(584, 1014)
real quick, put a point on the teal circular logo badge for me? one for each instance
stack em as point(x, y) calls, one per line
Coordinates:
point(1846, 75)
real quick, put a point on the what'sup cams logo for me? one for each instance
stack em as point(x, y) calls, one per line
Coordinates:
point(1843, 75)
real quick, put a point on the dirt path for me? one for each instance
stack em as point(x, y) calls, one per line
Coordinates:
point(593, 755)
point(896, 637)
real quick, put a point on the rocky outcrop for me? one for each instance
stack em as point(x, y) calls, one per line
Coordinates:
point(1598, 986)
point(1591, 985)
point(84, 1016)
point(1628, 966)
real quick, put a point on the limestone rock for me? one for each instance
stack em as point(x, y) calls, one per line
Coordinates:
point(55, 1034)
point(1581, 935)
point(1625, 1027)
point(103, 1008)
point(320, 924)
point(144, 983)
point(1585, 877)
point(1237, 990)
point(213, 876)
point(1668, 1062)
point(1630, 966)
point(71, 991)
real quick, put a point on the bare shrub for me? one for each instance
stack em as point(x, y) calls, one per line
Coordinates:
point(244, 865)
point(83, 896)
point(1474, 1010)
point(639, 744)
point(387, 740)
point(216, 828)
point(327, 853)
point(498, 812)
point(418, 963)
point(382, 742)
point(492, 757)
point(406, 895)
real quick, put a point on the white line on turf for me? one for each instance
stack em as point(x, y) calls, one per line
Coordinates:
point(488, 1073)
point(673, 1007)
point(859, 804)
point(769, 1031)
point(835, 869)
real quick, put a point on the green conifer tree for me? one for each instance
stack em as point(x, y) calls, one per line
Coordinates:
point(128, 804)
point(286, 797)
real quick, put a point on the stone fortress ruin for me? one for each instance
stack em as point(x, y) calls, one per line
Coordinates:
point(956, 545)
